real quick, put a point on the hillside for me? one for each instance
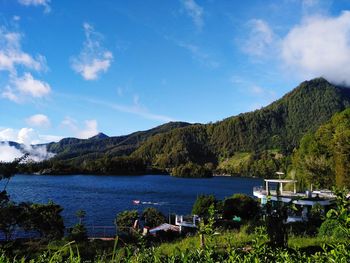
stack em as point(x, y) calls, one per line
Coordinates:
point(101, 145)
point(255, 143)
point(278, 127)
point(323, 158)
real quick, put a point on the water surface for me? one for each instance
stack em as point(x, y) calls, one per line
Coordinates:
point(102, 197)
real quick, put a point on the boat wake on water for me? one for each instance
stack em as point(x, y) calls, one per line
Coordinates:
point(138, 202)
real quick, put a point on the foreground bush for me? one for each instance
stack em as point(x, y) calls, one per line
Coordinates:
point(256, 253)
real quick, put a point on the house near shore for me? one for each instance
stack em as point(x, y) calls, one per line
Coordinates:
point(275, 191)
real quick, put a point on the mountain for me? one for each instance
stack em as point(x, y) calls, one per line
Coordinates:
point(79, 150)
point(277, 127)
point(255, 143)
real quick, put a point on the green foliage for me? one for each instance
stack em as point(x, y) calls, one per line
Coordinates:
point(327, 228)
point(341, 213)
point(125, 220)
point(323, 158)
point(10, 216)
point(152, 217)
point(191, 170)
point(279, 126)
point(78, 233)
point(242, 206)
point(202, 204)
point(80, 215)
point(46, 219)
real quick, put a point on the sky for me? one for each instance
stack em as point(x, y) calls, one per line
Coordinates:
point(75, 68)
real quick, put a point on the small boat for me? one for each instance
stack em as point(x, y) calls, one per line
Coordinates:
point(136, 202)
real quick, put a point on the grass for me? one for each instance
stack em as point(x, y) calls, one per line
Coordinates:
point(223, 240)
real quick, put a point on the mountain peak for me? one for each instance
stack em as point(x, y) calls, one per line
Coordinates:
point(100, 135)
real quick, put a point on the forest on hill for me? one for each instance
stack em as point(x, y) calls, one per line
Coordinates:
point(251, 144)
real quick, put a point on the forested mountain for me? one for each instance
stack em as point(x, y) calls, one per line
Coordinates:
point(277, 127)
point(255, 143)
point(101, 145)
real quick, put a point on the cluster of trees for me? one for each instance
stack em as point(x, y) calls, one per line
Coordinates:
point(105, 165)
point(257, 164)
point(238, 205)
point(42, 219)
point(323, 158)
point(150, 217)
point(193, 170)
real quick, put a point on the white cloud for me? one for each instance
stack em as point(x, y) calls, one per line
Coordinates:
point(20, 88)
point(195, 11)
point(260, 40)
point(11, 54)
point(36, 153)
point(38, 120)
point(90, 128)
point(320, 46)
point(44, 3)
point(26, 136)
point(93, 59)
point(9, 153)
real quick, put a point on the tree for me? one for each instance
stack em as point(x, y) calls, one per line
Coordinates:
point(202, 204)
point(9, 169)
point(46, 219)
point(152, 217)
point(81, 215)
point(10, 215)
point(242, 206)
point(126, 219)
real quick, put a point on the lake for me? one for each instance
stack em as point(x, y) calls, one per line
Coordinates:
point(102, 197)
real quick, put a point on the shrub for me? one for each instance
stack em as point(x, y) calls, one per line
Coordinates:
point(78, 233)
point(126, 219)
point(241, 205)
point(152, 217)
point(202, 204)
point(327, 228)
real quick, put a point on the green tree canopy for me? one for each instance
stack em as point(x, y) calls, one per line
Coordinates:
point(152, 217)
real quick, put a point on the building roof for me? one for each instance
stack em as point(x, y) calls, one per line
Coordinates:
point(164, 227)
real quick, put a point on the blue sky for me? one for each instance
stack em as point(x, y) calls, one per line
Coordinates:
point(75, 68)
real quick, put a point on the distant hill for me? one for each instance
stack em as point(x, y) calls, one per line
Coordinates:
point(78, 150)
point(279, 126)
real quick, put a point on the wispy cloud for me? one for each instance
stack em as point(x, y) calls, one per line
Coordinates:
point(195, 11)
point(88, 130)
point(20, 88)
point(38, 120)
point(261, 95)
point(136, 109)
point(94, 59)
point(261, 39)
point(204, 58)
point(43, 3)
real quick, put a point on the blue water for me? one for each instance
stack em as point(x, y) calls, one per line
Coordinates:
point(102, 197)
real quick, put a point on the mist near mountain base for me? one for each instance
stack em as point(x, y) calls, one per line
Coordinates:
point(36, 153)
